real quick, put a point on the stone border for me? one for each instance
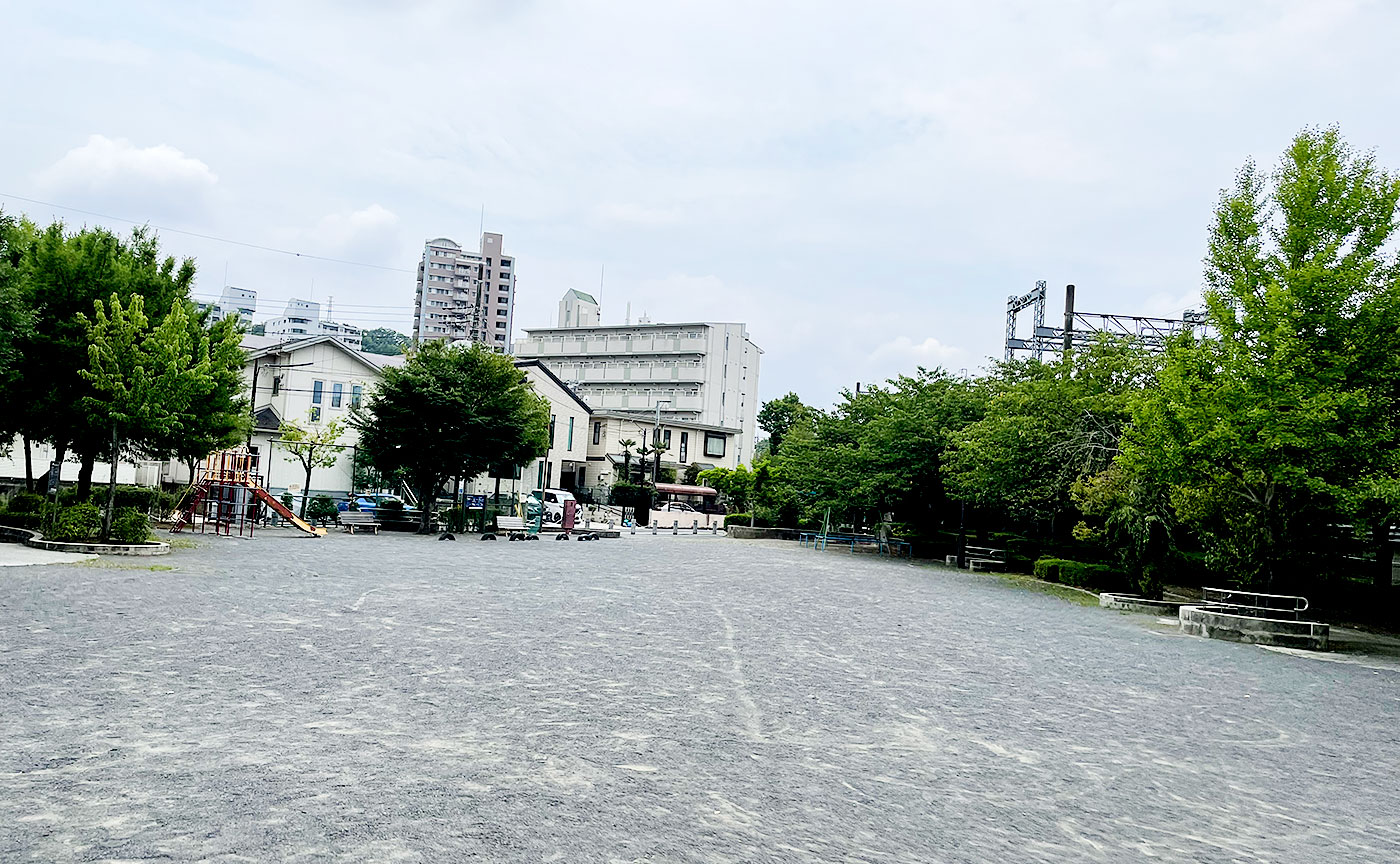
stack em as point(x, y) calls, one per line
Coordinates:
point(744, 532)
point(36, 540)
point(1215, 623)
point(1138, 603)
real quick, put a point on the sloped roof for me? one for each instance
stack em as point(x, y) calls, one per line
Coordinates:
point(264, 346)
point(582, 296)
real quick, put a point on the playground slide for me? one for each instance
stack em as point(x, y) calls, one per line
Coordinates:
point(282, 510)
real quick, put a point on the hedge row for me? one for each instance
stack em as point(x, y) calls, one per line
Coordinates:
point(1079, 575)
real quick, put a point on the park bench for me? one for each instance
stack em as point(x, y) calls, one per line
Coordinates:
point(896, 547)
point(514, 528)
point(820, 540)
point(981, 559)
point(354, 520)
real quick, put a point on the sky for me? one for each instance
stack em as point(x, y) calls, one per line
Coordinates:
point(863, 184)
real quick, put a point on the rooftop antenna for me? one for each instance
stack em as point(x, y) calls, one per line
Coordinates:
point(602, 268)
point(628, 320)
point(483, 220)
point(225, 272)
point(330, 307)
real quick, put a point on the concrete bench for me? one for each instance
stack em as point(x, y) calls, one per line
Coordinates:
point(354, 520)
point(985, 565)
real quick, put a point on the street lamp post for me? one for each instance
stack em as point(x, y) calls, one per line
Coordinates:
point(656, 441)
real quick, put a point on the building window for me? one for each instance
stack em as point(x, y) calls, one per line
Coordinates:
point(500, 325)
point(337, 391)
point(685, 446)
point(551, 430)
point(316, 388)
point(714, 444)
point(276, 384)
point(598, 433)
point(571, 434)
point(315, 414)
point(666, 438)
point(356, 391)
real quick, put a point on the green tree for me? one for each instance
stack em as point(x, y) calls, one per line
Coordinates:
point(314, 447)
point(145, 381)
point(63, 276)
point(778, 416)
point(1047, 426)
point(451, 411)
point(16, 323)
point(1284, 424)
point(627, 444)
point(382, 340)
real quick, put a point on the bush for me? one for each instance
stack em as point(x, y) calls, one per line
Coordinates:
point(75, 524)
point(20, 520)
point(737, 519)
point(25, 502)
point(1079, 575)
point(130, 525)
point(390, 504)
point(287, 500)
point(321, 509)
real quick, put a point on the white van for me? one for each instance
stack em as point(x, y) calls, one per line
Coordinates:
point(553, 503)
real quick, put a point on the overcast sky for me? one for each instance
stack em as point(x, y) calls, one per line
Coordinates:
point(863, 184)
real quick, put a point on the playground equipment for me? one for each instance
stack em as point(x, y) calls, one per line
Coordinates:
point(224, 498)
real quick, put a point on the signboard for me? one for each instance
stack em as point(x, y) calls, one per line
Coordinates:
point(475, 502)
point(55, 474)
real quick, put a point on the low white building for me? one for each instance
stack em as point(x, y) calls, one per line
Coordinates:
point(303, 318)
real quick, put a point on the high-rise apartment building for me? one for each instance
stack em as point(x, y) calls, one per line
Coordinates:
point(465, 296)
point(706, 372)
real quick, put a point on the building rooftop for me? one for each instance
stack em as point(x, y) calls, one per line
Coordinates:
point(582, 296)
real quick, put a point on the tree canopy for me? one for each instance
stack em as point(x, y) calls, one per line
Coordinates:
point(451, 411)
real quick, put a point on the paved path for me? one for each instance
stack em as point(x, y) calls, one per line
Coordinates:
point(20, 555)
point(394, 698)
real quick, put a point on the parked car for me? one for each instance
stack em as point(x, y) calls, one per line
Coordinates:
point(370, 503)
point(553, 503)
point(678, 507)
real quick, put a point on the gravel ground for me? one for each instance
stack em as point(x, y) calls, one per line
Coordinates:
point(394, 698)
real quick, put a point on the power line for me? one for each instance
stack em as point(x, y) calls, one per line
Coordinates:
point(290, 252)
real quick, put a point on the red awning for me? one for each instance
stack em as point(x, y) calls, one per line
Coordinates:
point(682, 489)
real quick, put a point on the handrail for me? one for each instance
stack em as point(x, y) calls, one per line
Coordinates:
point(1235, 597)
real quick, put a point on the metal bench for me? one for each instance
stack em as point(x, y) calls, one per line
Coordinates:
point(980, 559)
point(355, 520)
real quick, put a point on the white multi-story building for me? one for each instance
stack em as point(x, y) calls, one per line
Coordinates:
point(465, 296)
point(303, 318)
point(234, 301)
point(704, 372)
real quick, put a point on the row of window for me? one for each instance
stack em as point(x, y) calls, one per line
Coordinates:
point(337, 393)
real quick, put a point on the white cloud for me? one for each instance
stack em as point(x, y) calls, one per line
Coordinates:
point(105, 165)
point(904, 353)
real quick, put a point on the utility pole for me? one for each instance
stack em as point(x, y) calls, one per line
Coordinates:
point(1069, 321)
point(253, 400)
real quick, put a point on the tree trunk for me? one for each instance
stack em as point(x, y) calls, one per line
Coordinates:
point(306, 490)
point(425, 495)
point(28, 466)
point(111, 489)
point(89, 459)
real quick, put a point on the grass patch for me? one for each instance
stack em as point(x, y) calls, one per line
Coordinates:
point(182, 543)
point(104, 564)
point(1064, 592)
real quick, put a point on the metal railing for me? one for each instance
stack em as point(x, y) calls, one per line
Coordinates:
point(1256, 604)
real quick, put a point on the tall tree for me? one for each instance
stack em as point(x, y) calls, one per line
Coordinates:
point(145, 381)
point(16, 323)
point(316, 446)
point(64, 275)
point(382, 340)
point(778, 416)
point(1287, 423)
point(451, 411)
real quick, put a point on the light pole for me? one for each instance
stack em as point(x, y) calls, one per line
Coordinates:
point(656, 441)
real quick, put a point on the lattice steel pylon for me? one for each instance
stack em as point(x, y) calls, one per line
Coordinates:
point(1081, 328)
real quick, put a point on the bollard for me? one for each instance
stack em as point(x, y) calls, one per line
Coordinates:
point(634, 529)
point(714, 529)
point(653, 529)
point(675, 527)
point(694, 526)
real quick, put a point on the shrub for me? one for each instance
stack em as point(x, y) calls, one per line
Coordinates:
point(75, 524)
point(20, 520)
point(1079, 575)
point(321, 509)
point(737, 519)
point(130, 525)
point(390, 504)
point(287, 500)
point(25, 502)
